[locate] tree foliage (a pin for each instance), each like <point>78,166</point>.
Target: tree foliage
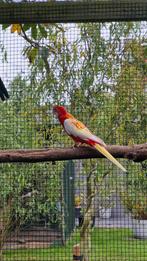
<point>99,75</point>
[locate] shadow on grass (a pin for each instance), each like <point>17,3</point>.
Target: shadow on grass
<point>107,244</point>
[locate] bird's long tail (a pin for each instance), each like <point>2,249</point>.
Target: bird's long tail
<point>102,150</point>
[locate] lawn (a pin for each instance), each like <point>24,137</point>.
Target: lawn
<point>107,244</point>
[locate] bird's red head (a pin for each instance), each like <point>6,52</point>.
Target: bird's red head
<point>59,110</point>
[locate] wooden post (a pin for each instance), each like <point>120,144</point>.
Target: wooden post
<point>76,11</point>
<point>77,253</point>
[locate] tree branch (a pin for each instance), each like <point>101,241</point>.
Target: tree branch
<point>136,153</point>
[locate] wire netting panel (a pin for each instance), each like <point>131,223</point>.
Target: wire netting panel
<point>85,209</point>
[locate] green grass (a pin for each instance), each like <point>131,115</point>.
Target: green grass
<point>107,244</point>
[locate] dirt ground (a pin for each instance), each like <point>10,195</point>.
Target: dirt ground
<point>34,237</point>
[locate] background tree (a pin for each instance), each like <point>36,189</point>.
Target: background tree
<point>99,75</point>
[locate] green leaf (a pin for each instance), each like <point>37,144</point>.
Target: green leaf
<point>26,27</point>
<point>42,31</point>
<point>44,52</point>
<point>5,26</point>
<point>31,54</point>
<point>34,31</point>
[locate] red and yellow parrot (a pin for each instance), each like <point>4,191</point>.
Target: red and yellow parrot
<point>81,134</point>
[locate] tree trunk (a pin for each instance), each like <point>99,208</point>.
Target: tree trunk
<point>85,233</point>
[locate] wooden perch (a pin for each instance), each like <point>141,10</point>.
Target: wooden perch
<point>136,153</point>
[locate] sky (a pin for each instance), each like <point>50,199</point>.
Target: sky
<point>16,63</point>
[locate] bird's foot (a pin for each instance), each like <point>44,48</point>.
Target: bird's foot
<point>77,144</point>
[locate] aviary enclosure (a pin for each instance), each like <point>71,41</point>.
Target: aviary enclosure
<point>59,202</point>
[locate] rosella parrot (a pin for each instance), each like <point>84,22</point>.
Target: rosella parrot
<point>81,134</point>
<point>3,91</point>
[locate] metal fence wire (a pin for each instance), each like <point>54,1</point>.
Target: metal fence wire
<point>91,57</point>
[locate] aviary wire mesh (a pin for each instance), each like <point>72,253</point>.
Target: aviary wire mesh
<point>80,209</point>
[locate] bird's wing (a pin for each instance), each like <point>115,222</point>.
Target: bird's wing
<point>78,129</point>
<point>3,91</point>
